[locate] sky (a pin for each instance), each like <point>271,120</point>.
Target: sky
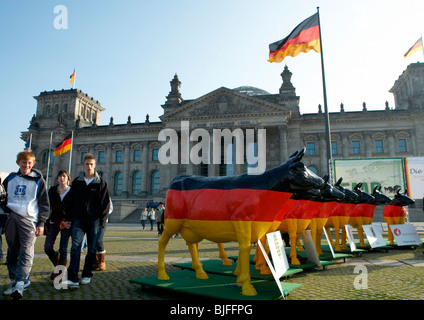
<point>126,53</point>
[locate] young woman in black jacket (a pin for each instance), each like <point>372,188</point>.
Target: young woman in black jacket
<point>59,221</point>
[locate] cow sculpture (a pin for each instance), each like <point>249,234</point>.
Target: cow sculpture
<point>395,213</point>
<point>238,208</point>
<point>299,217</point>
<point>364,212</point>
<point>321,217</point>
<point>342,214</point>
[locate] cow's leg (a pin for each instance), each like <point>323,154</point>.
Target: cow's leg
<point>337,234</point>
<point>260,262</point>
<point>195,261</point>
<point>361,235</point>
<point>171,227</point>
<point>294,236</point>
<point>243,231</point>
<point>390,237</point>
<point>223,255</point>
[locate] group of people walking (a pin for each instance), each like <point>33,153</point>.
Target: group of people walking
<point>158,216</point>
<point>77,211</point>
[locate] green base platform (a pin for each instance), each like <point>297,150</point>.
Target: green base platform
<point>339,254</point>
<point>304,266</point>
<point>216,287</point>
<point>216,267</point>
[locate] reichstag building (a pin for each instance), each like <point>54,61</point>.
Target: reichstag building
<point>128,153</point>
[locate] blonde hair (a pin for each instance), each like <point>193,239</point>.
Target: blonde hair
<point>25,155</point>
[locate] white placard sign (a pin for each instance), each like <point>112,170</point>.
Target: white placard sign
<point>405,234</point>
<point>373,235</point>
<point>310,249</point>
<point>328,241</point>
<point>350,237</point>
<point>278,253</point>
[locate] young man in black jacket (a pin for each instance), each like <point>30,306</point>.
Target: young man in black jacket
<point>89,211</point>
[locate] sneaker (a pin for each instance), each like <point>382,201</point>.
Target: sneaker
<point>68,284</point>
<point>11,288</point>
<point>18,291</point>
<point>85,280</point>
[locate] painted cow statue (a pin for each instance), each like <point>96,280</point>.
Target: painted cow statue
<point>395,213</point>
<point>364,212</point>
<point>299,217</point>
<point>299,212</point>
<point>321,217</point>
<point>238,208</point>
<point>339,217</point>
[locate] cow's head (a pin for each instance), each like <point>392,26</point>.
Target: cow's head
<point>401,200</point>
<point>380,198</point>
<point>363,197</point>
<point>298,177</point>
<point>349,195</point>
<point>312,194</point>
<point>330,193</point>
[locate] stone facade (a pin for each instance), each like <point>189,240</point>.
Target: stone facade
<point>127,154</point>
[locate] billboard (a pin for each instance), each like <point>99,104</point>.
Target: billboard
<point>415,176</point>
<point>389,173</point>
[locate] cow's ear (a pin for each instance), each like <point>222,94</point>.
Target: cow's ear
<point>297,166</point>
<point>375,189</point>
<point>326,178</point>
<point>300,155</point>
<point>339,181</point>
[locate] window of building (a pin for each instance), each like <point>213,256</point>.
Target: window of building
<point>378,146</point>
<point>356,147</point>
<point>334,148</point>
<point>82,156</point>
<point>101,157</point>
<point>155,154</point>
<point>118,156</point>
<point>155,182</point>
<point>402,145</point>
<point>45,157</point>
<point>136,183</point>
<point>117,183</point>
<point>136,155</point>
<point>310,148</point>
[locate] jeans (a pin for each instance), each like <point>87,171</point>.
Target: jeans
<point>54,230</point>
<point>90,227</point>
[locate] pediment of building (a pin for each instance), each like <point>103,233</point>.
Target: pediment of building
<point>225,103</point>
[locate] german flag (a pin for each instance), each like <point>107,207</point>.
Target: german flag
<point>72,77</point>
<point>418,46</point>
<point>302,39</point>
<point>64,146</point>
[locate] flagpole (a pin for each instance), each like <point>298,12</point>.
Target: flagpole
<point>327,118</point>
<point>70,155</point>
<point>48,161</point>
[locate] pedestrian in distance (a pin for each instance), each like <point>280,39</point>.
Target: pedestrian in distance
<point>28,207</point>
<point>152,217</point>
<point>59,221</point>
<point>143,217</point>
<point>90,202</point>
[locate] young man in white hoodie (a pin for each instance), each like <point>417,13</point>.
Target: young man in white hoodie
<point>28,208</point>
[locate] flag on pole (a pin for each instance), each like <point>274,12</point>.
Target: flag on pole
<point>28,143</point>
<point>302,39</point>
<point>64,146</point>
<point>72,77</point>
<point>418,46</point>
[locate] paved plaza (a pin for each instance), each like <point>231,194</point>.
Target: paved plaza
<point>132,253</point>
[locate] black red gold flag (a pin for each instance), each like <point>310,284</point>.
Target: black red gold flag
<point>418,46</point>
<point>64,146</point>
<point>302,39</point>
